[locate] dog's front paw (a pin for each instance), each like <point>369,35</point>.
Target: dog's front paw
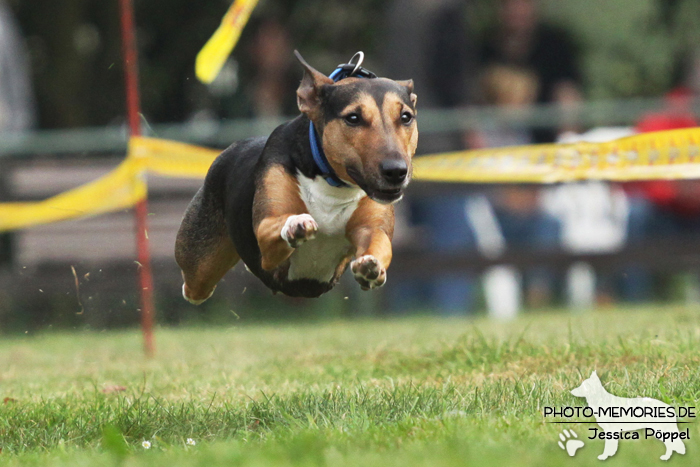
<point>368,272</point>
<point>299,229</point>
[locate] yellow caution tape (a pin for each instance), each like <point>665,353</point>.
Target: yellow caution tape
<point>664,155</point>
<point>120,189</point>
<point>171,158</point>
<point>218,48</point>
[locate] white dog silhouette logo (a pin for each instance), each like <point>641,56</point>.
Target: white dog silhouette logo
<point>618,415</point>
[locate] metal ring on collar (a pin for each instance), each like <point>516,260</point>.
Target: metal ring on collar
<point>360,58</point>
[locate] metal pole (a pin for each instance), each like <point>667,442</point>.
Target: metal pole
<point>133,105</point>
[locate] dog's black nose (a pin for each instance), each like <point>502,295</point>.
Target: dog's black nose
<point>394,171</point>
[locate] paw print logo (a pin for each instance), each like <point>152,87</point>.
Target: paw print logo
<point>569,443</point>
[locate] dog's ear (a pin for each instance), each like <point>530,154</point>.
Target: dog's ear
<point>408,84</point>
<point>594,375</point>
<point>308,94</point>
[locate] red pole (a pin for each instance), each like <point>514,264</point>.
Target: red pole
<point>133,106</point>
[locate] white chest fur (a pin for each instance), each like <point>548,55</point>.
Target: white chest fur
<point>331,208</point>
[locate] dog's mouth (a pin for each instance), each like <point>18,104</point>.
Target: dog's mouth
<point>380,195</point>
<point>386,196</point>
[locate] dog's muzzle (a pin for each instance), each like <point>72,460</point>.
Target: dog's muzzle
<point>381,192</point>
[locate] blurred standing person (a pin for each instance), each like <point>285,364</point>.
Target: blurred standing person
<point>520,39</point>
<point>666,207</point>
<point>524,62</point>
<point>517,210</point>
<point>662,209</point>
<point>451,55</point>
<point>275,74</point>
<point>16,98</point>
<point>509,88</point>
<point>406,44</point>
<point>265,79</point>
<point>429,41</point>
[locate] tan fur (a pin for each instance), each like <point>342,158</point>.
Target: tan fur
<point>276,198</point>
<point>201,282</point>
<point>203,249</point>
<point>370,230</point>
<point>362,146</point>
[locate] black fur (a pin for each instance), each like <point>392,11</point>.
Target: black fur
<point>229,190</point>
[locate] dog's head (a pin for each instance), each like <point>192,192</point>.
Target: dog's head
<point>592,387</point>
<point>368,129</point>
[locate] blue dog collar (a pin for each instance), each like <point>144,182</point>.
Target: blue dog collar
<point>322,163</point>
<point>344,70</point>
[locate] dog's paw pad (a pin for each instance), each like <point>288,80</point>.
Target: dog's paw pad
<point>299,229</point>
<point>569,443</point>
<point>368,272</point>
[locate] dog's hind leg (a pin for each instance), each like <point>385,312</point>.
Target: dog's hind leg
<point>676,445</point>
<point>609,450</point>
<point>203,249</point>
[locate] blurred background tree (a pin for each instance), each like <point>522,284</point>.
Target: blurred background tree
<point>630,48</point>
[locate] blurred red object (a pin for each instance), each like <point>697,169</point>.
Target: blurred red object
<point>679,197</point>
<point>678,113</point>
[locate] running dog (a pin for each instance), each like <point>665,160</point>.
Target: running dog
<point>316,196</point>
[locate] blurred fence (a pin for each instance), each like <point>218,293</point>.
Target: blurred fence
<point>219,134</point>
<point>38,286</point>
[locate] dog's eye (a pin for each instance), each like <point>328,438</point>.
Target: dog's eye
<point>406,118</point>
<point>353,119</point>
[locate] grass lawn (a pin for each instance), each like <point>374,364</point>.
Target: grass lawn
<point>415,391</point>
